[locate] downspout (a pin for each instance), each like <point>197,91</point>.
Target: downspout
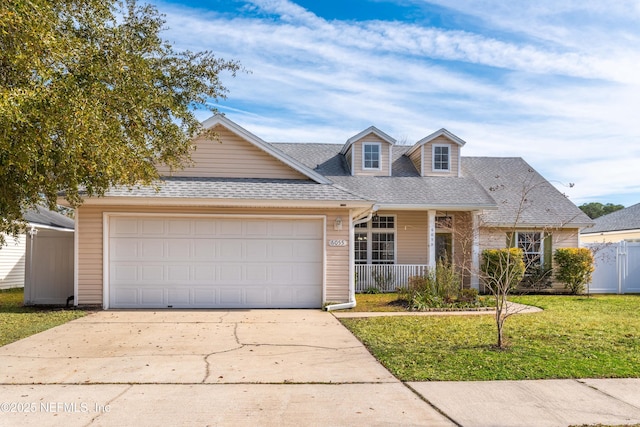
<point>352,283</point>
<point>32,232</point>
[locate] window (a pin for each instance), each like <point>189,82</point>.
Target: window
<point>375,241</point>
<point>441,157</point>
<point>531,244</point>
<point>371,155</point>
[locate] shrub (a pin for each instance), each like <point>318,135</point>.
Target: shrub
<point>503,268</point>
<point>439,288</point>
<point>573,268</point>
<point>537,278</point>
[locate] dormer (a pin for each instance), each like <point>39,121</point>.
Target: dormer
<point>369,153</point>
<point>437,154</point>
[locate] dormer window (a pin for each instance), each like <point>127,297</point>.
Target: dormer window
<point>441,158</point>
<point>371,155</point>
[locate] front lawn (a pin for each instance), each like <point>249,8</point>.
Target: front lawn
<point>574,337</point>
<point>17,322</point>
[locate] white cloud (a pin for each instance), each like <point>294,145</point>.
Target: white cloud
<point>561,94</point>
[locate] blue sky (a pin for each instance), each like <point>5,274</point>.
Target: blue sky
<point>556,82</point>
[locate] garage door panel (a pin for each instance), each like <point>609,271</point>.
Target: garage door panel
<point>205,297</point>
<point>152,297</point>
<point>229,250</point>
<point>204,249</point>
<point>179,227</point>
<point>151,249</point>
<point>179,297</point>
<point>152,227</point>
<point>228,227</point>
<point>215,262</point>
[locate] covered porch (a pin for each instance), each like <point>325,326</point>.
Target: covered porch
<point>393,245</point>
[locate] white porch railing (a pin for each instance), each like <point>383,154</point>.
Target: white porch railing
<point>386,277</point>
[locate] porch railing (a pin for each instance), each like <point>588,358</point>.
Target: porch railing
<point>386,277</point>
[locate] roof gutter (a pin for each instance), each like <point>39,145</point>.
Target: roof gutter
<point>403,207</point>
<point>352,284</point>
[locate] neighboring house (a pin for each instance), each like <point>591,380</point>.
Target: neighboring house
<point>615,227</point>
<point>41,259</point>
<point>253,224</point>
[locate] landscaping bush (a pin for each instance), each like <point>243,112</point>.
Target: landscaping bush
<point>573,268</point>
<point>440,288</point>
<point>537,279</point>
<point>503,268</point>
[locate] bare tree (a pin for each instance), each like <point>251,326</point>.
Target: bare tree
<point>503,268</point>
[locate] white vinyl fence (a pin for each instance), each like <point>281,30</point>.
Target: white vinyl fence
<point>617,268</point>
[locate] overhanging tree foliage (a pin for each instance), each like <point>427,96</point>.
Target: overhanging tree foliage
<point>91,96</point>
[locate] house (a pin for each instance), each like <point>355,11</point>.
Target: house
<point>251,224</point>
<point>615,227</point>
<point>41,259</point>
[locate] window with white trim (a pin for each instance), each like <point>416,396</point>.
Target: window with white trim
<point>371,152</point>
<point>375,241</point>
<point>441,158</point>
<point>531,244</point>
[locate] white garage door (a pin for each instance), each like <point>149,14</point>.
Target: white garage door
<point>161,262</point>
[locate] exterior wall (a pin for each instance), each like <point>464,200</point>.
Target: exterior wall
<point>90,238</point>
<point>495,238</point>
<point>610,236</point>
<point>348,157</point>
<point>232,157</point>
<point>416,159</point>
<point>356,152</point>
<point>12,261</point>
<point>49,268</point>
<point>454,151</point>
<point>411,236</point>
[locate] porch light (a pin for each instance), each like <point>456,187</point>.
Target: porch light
<point>337,225</point>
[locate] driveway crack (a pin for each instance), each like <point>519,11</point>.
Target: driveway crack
<point>106,405</point>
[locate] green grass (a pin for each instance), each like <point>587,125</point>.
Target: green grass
<point>17,321</point>
<point>377,302</point>
<point>575,337</point>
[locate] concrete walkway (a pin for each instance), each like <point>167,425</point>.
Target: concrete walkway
<point>256,367</point>
<point>262,367</point>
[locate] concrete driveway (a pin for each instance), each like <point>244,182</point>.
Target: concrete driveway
<point>255,367</point>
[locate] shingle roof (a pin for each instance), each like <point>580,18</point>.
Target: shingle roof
<point>624,219</point>
<point>522,194</point>
<point>43,216</point>
<point>237,189</point>
<point>485,181</point>
<point>405,187</point>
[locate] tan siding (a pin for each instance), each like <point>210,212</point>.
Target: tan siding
<point>12,261</point>
<point>90,257</point>
<point>411,237</point>
<point>610,237</point>
<point>496,238</point>
<point>337,265</point>
<point>416,159</point>
<point>428,157</point>
<point>348,158</point>
<point>356,149</point>
<point>233,157</point>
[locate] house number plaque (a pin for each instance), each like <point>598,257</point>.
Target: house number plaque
<point>337,243</point>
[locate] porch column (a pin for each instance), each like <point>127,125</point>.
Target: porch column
<point>475,250</point>
<point>431,238</point>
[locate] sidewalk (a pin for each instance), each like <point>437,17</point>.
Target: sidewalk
<point>513,307</point>
<point>532,403</point>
